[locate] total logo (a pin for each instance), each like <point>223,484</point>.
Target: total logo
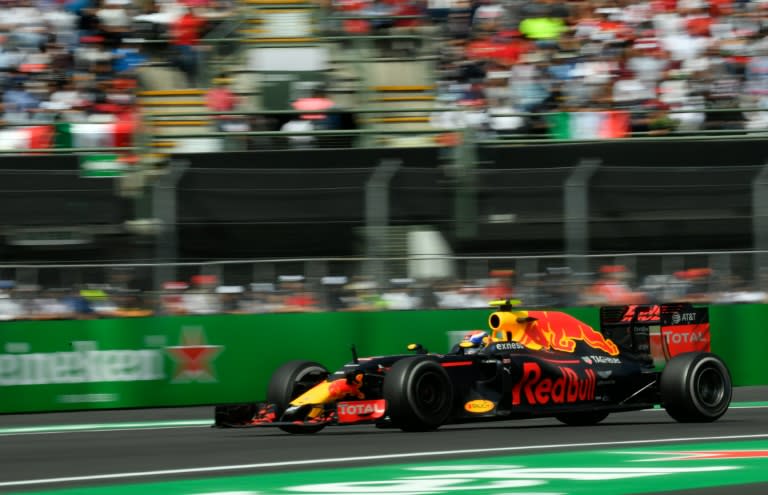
<point>686,337</point>
<point>364,410</point>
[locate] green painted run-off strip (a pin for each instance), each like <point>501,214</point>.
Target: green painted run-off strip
<point>614,471</point>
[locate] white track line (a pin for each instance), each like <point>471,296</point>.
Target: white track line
<point>409,455</point>
<point>169,425</point>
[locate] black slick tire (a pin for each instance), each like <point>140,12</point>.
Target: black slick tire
<point>233,415</point>
<point>290,381</point>
<point>419,394</point>
<point>696,387</point>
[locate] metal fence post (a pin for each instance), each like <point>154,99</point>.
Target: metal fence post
<point>760,223</point>
<point>465,174</point>
<point>164,210</point>
<point>377,216</point>
<point>576,213</point>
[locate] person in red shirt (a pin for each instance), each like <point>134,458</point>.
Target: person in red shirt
<point>185,36</point>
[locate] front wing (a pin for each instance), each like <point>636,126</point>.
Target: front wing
<point>337,413</point>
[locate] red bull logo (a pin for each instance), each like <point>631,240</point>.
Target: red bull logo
<point>567,389</point>
<point>343,388</point>
<point>550,330</point>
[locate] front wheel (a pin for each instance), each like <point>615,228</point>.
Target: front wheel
<point>290,381</point>
<point>696,387</point>
<point>588,418</point>
<point>419,394</point>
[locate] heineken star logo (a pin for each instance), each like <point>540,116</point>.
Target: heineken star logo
<point>194,356</point>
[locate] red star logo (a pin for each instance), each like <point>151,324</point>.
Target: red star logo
<point>193,356</point>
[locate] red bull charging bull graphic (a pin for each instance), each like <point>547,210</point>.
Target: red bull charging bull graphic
<point>548,330</point>
<point>343,388</point>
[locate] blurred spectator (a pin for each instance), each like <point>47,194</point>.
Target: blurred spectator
<point>201,298</point>
<point>185,33</point>
<point>315,109</point>
<point>500,285</point>
<point>296,296</point>
<point>230,297</point>
<point>172,298</point>
<point>612,287</point>
<point>698,284</point>
<point>362,294</point>
<point>454,294</point>
<point>79,305</point>
<point>316,113</point>
<point>220,98</point>
<point>401,295</point>
<point>10,309</point>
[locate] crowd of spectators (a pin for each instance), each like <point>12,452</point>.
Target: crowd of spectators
<point>585,68</point>
<point>69,68</point>
<point>65,64</point>
<point>206,294</point>
<point>594,68</point>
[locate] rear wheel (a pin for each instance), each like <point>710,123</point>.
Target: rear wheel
<point>582,418</point>
<point>696,387</point>
<point>419,394</point>
<point>290,381</point>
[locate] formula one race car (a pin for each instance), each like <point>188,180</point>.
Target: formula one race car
<point>530,364</point>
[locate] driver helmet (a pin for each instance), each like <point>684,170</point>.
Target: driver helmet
<point>474,341</point>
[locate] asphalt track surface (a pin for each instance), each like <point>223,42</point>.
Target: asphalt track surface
<point>89,453</point>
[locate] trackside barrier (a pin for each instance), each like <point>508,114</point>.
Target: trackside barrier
<point>199,360</point>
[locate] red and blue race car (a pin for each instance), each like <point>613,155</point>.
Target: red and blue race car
<point>529,363</point>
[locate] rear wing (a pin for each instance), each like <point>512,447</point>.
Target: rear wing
<point>658,331</point>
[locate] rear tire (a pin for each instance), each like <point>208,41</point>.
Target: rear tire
<point>696,387</point>
<point>290,381</point>
<point>419,394</point>
<point>588,418</point>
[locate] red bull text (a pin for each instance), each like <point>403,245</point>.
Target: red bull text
<point>532,389</point>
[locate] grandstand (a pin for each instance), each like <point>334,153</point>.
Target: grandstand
<point>599,138</point>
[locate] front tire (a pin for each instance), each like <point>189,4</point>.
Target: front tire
<point>290,381</point>
<point>233,415</point>
<point>419,394</point>
<point>588,418</point>
<point>696,387</point>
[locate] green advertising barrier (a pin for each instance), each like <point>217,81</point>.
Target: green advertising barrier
<point>193,360</point>
<point>197,360</point>
<point>740,337</point>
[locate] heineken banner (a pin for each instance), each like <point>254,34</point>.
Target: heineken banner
<point>198,360</point>
<point>191,360</point>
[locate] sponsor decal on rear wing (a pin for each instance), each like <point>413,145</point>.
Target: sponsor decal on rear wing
<point>660,331</point>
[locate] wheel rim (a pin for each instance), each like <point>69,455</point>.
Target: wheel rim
<point>305,380</point>
<point>428,392</point>
<point>710,387</point>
